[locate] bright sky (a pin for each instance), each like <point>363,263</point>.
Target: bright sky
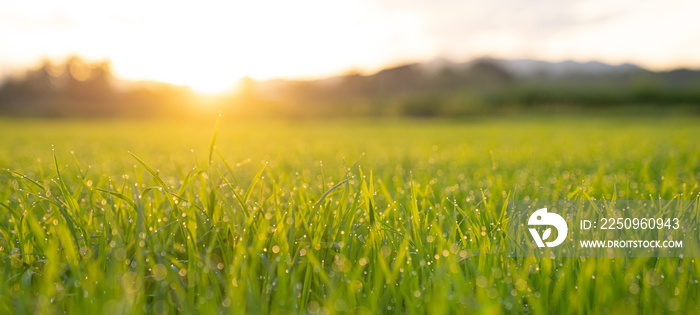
<point>209,45</point>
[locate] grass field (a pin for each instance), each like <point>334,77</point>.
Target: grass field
<point>328,217</point>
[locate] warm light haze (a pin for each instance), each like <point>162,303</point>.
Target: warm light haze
<point>213,44</point>
<point>350,157</point>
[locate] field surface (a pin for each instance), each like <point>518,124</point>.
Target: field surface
<point>328,217</point>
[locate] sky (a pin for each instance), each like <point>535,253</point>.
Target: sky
<point>210,45</point>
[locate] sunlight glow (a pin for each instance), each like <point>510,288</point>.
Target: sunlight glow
<point>212,52</point>
<point>212,45</point>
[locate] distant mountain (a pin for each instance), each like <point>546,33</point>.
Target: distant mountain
<point>529,68</point>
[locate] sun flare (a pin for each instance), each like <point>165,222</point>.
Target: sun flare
<point>212,51</point>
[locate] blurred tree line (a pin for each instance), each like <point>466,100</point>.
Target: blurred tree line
<point>77,88</point>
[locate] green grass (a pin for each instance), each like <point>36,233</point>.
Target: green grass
<point>327,217</point>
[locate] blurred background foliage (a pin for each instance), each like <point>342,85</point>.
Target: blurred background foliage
<point>485,86</point>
